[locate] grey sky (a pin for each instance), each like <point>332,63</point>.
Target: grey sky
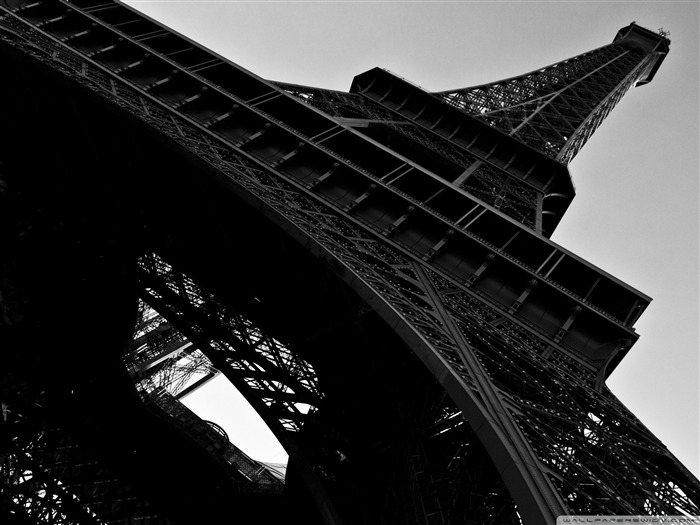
<point>636,210</point>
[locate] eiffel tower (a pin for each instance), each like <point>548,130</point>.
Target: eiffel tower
<point>371,269</point>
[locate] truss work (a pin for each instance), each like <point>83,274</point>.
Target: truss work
<point>556,109</point>
<point>372,271</point>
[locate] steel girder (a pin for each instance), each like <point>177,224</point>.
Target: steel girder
<point>529,394</point>
<point>50,475</point>
<point>556,109</point>
<point>511,196</point>
<point>165,366</point>
<point>445,474</point>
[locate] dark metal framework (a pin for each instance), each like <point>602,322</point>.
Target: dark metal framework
<point>556,109</point>
<point>259,365</point>
<point>465,169</point>
<point>165,367</point>
<point>50,476</point>
<point>483,345</point>
<point>51,479</point>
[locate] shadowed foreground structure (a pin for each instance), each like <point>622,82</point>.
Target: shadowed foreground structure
<point>371,269</point>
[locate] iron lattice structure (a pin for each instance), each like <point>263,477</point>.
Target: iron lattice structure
<point>556,109</point>
<point>371,269</point>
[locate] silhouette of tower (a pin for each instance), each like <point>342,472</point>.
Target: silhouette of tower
<point>371,269</point>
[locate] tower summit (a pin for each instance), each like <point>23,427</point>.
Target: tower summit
<point>371,269</point>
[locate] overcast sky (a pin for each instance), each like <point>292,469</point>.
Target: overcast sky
<point>636,211</point>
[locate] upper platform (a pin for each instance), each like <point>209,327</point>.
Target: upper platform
<point>523,183</point>
<point>648,42</point>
